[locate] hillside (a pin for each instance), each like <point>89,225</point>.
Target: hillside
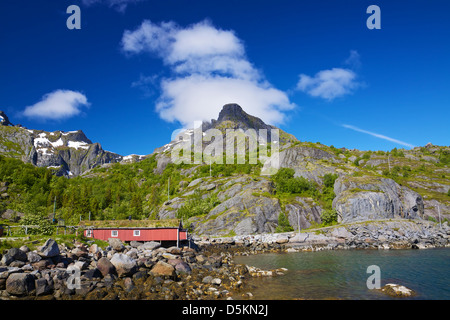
<point>316,184</point>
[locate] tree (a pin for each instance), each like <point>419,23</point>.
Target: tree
<point>329,179</point>
<point>329,217</point>
<point>283,223</point>
<point>136,206</point>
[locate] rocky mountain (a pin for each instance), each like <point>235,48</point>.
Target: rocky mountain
<point>369,185</point>
<point>65,153</point>
<point>223,199</point>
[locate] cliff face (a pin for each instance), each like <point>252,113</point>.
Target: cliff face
<point>373,198</point>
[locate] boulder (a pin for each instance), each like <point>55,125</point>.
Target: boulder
<point>397,291</point>
<point>6,259</point>
<point>43,287</point>
<point>162,268</point>
<point>94,249</point>
<point>105,266</point>
<point>17,254</point>
<point>116,244</point>
<point>92,273</point>
<point>20,284</point>
<point>341,232</point>
<point>135,244</point>
<point>49,249</point>
<point>151,245</point>
<point>25,249</point>
<point>124,264</point>
<point>183,267</point>
<point>33,257</point>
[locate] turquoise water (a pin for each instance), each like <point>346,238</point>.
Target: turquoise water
<point>342,274</point>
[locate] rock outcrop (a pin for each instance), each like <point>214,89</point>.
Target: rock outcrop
<point>372,198</point>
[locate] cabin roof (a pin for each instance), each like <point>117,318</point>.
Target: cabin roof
<point>165,223</point>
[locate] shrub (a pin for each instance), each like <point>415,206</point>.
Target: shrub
<point>45,226</point>
<point>283,223</point>
<point>329,217</point>
<point>329,179</point>
<point>197,206</point>
<point>286,182</point>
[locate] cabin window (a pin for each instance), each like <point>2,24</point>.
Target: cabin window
<point>89,233</point>
<point>114,233</point>
<point>136,233</point>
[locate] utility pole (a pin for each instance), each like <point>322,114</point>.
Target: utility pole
<point>54,210</point>
<point>389,162</point>
<point>439,211</point>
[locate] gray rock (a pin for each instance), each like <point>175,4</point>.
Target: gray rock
<point>49,249</point>
<point>124,264</point>
<point>43,287</point>
<point>341,233</point>
<point>6,259</point>
<point>20,284</point>
<point>372,198</point>
<point>150,245</point>
<point>135,244</point>
<point>116,244</point>
<point>33,257</point>
<point>17,254</point>
<point>183,267</point>
<point>207,279</point>
<point>195,182</point>
<point>25,249</point>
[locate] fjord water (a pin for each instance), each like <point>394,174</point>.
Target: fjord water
<point>342,274</point>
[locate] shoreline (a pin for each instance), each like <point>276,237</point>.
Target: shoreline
<point>147,271</point>
<point>378,234</point>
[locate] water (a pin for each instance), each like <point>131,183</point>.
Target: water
<point>342,274</point>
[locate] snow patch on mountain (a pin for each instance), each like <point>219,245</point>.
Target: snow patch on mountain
<point>78,145</point>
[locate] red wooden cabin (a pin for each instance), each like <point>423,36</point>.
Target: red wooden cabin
<point>135,230</point>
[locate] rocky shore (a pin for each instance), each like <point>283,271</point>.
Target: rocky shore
<point>119,272</point>
<point>138,271</point>
<point>380,234</point>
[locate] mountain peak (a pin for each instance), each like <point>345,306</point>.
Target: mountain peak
<point>235,117</point>
<point>231,112</point>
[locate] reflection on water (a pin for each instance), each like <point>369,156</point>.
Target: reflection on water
<point>342,274</point>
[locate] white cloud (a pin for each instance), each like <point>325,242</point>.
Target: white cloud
<point>328,84</point>
<point>210,69</point>
<point>333,83</point>
<point>377,135</point>
<point>354,60</point>
<point>57,105</point>
<point>119,5</point>
<point>200,97</point>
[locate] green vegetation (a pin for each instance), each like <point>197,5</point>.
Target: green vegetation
<point>329,217</point>
<point>283,223</point>
<point>286,182</point>
<point>197,206</point>
<point>117,192</point>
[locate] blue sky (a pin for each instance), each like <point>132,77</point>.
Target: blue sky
<point>139,69</point>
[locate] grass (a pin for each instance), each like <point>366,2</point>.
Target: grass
<point>35,241</point>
